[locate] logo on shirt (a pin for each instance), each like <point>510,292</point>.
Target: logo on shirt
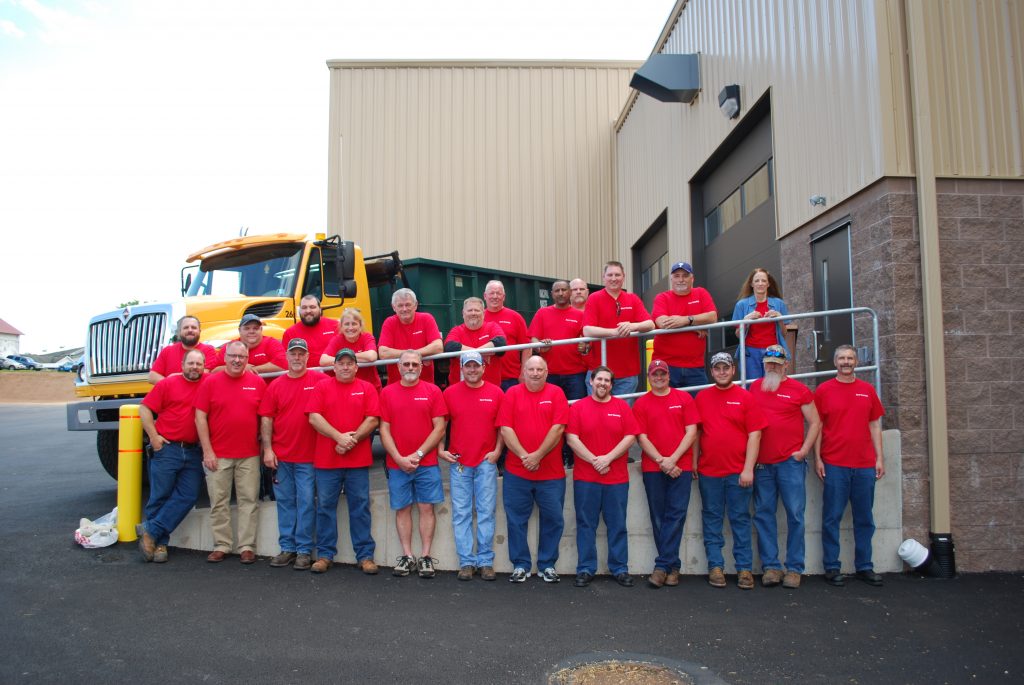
<point>248,387</point>
<point>419,332</point>
<point>786,396</point>
<point>544,402</point>
<point>675,406</point>
<point>860,394</point>
<point>693,302</point>
<point>359,394</point>
<point>615,416</point>
<point>568,320</point>
<point>486,399</point>
<point>737,404</point>
<point>504,322</point>
<point>421,399</point>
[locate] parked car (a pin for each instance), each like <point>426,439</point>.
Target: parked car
<point>26,362</point>
<point>11,365</point>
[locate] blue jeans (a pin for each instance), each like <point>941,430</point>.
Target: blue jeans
<point>856,486</point>
<point>786,481</point>
<point>718,496</point>
<point>175,477</point>
<point>594,500</point>
<point>620,386</point>
<point>667,500</point>
<point>754,362</point>
<point>479,483</point>
<point>357,492</point>
<point>685,376</point>
<point>296,509</point>
<point>507,383</point>
<point>518,496</point>
<point>574,385</point>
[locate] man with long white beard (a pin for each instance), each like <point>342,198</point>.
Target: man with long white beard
<point>781,470</point>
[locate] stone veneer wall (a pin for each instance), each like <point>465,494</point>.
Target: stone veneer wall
<point>981,225</point>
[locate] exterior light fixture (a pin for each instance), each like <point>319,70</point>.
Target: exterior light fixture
<point>818,200</point>
<point>729,101</point>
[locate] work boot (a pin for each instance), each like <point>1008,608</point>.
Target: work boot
<point>466,572</point>
<point>321,565</point>
<point>716,577</point>
<point>303,562</point>
<point>771,577</point>
<point>672,579</point>
<point>657,578</point>
<point>283,559</point>
<point>745,580</point>
<point>160,555</point>
<point>147,545</point>
<point>791,580</point>
<point>369,567</point>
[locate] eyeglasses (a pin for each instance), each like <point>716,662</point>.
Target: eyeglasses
<point>777,354</point>
<point>411,365</point>
<point>236,356</point>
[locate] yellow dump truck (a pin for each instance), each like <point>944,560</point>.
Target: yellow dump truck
<point>266,275</point>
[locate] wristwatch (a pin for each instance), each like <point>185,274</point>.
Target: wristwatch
<point>419,453</point>
<point>691,322</point>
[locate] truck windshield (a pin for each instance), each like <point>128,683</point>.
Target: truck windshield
<point>260,271</point>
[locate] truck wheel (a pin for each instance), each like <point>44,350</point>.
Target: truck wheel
<point>106,447</point>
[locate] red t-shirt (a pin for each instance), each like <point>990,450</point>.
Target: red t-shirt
<point>605,311</point>
<point>727,418</point>
<point>411,411</point>
<point>664,420</point>
<point>345,406</point>
<point>681,349</point>
<point>269,351</point>
<point>514,326</point>
<point>172,401</point>
<point>552,323</point>
<point>294,439</point>
<point>846,409</point>
<point>473,412</point>
<point>366,342</point>
<point>481,336</point>
<point>231,405</point>
<point>399,336</point>
<point>601,426</point>
<point>531,415</point>
<point>316,337</point>
<point>170,358</point>
<point>763,332</point>
<point>783,409</point>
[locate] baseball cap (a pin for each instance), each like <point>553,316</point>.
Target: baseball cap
<point>685,266</point>
<point>297,344</point>
<point>657,365</point>
<point>722,358</point>
<point>344,352</point>
<point>250,318</point>
<point>774,354</point>
<point>471,356</point>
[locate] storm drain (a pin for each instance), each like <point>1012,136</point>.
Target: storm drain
<point>630,669</point>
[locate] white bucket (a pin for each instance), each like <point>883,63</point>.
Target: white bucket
<point>913,552</point>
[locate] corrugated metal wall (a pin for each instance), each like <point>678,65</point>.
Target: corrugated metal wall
<point>504,165</point>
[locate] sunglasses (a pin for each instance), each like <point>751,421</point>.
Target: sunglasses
<point>775,354</point>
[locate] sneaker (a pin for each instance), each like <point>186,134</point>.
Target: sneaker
<point>657,578</point>
<point>716,577</point>
<point>303,562</point>
<point>321,565</point>
<point>519,575</point>
<point>283,559</point>
<point>425,567</point>
<point>870,577</point>
<point>771,577</point>
<point>672,579</point>
<point>160,555</point>
<point>745,580</point>
<point>791,580</point>
<point>147,545</point>
<point>487,573</point>
<point>624,579</point>
<point>549,575</point>
<point>403,566</point>
<point>834,577</point>
<point>466,572</point>
<point>369,567</point>
<point>583,579</point>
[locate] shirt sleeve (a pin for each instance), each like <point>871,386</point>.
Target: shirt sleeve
<point>154,399</point>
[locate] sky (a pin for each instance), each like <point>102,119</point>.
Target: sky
<point>135,133</point>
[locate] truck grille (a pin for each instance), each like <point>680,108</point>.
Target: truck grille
<point>116,348</point>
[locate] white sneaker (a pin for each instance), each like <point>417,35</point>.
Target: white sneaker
<point>519,575</point>
<point>549,575</point>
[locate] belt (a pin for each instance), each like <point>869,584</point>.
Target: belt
<point>184,445</point>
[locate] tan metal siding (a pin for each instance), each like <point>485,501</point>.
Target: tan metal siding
<point>504,165</point>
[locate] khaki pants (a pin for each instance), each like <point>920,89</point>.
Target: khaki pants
<point>245,474</point>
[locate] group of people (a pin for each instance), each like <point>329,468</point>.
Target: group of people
<point>543,409</point>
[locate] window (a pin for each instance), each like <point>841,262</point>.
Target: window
<point>751,194</point>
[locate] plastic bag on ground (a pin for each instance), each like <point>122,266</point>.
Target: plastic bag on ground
<point>99,533</point>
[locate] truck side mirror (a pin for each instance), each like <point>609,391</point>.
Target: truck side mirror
<point>346,265</point>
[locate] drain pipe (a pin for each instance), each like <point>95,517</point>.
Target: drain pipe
<point>942,552</point>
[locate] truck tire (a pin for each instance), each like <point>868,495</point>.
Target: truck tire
<point>107,447</point>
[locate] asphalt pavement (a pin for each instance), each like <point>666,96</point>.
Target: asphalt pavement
<point>73,615</point>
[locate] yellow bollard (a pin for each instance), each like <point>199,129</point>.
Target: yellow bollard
<point>129,472</point>
<point>648,354</point>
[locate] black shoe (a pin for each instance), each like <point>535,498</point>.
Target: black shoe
<point>624,579</point>
<point>834,577</point>
<point>583,579</point>
<point>870,577</point>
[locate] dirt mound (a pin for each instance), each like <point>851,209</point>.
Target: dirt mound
<point>36,387</point>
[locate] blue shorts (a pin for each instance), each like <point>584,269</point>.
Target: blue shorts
<point>422,485</point>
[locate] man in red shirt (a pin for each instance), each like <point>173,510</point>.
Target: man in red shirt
<point>475,334</point>
<point>614,313</point>
<point>413,419</point>
<point>176,462</point>
<point>288,444</point>
<point>532,419</point>
<point>265,353</point>
<point>170,358</point>
<point>409,330</point>
<point>560,321</point>
<point>228,426</point>
<point>850,460</point>
<point>781,470</point>
<point>513,325</point>
<point>313,327</point>
<point>344,411</point>
<point>680,307</point>
<point>601,431</point>
<point>668,421</point>
<point>473,450</point>
<point>730,434</point>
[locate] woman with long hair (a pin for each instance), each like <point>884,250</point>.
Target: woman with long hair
<point>760,298</point>
<point>351,334</point>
